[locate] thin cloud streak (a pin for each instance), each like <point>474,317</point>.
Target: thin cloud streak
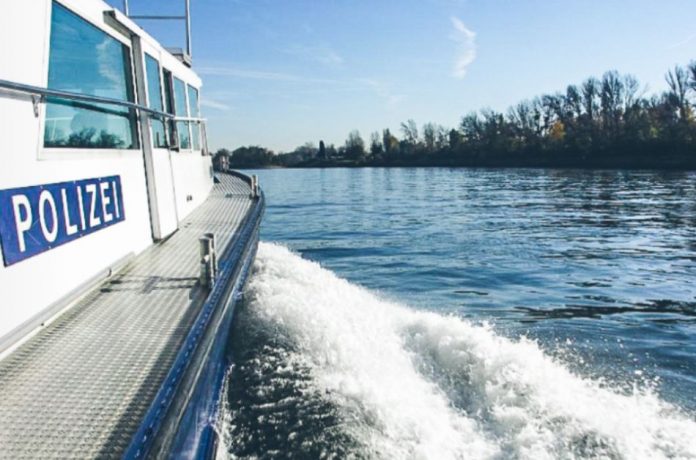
<point>466,47</point>
<point>321,54</point>
<point>260,75</point>
<point>212,104</point>
<point>682,42</point>
<point>379,88</point>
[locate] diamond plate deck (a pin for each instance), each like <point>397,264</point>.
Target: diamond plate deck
<point>81,386</point>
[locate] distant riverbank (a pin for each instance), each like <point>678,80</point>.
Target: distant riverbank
<point>605,122</point>
<point>684,162</point>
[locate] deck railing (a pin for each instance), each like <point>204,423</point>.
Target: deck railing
<point>39,95</point>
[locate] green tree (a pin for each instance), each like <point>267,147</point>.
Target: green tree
<point>390,143</point>
<point>454,139</point>
<point>430,137</point>
<point>251,156</point>
<point>677,96</point>
<point>376,149</point>
<point>355,146</point>
<point>410,132</point>
<point>611,97</point>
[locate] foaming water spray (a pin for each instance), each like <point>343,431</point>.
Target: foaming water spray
<point>326,368</point>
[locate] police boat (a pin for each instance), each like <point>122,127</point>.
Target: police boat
<point>123,252</point>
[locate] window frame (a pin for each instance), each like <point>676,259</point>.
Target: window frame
<point>187,114</point>
<point>160,75</point>
<point>168,90</point>
<point>73,153</point>
<point>195,125</point>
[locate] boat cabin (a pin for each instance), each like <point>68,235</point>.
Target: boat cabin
<point>103,154</point>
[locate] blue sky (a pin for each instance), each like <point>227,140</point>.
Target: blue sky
<point>280,73</point>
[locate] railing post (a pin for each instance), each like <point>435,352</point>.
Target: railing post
<point>254,186</point>
<point>208,260</point>
<point>213,254</point>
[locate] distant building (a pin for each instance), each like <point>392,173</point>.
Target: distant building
<point>221,162</point>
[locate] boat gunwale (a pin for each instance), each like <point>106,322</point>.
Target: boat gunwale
<point>222,292</point>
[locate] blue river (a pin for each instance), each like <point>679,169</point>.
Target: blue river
<point>469,313</point>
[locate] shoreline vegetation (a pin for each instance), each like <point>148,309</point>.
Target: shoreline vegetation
<point>606,122</point>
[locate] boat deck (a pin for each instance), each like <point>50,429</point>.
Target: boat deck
<point>82,385</point>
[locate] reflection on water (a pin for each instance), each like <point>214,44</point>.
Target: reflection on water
<point>598,263</point>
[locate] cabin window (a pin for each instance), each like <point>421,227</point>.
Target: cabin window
<point>195,111</point>
<point>181,108</point>
<point>169,105</point>
<point>84,59</point>
<point>154,100</point>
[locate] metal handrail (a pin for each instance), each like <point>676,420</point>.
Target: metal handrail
<point>44,92</point>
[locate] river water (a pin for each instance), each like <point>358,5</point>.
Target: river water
<point>468,313</point>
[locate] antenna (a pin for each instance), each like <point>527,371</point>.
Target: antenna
<point>186,18</point>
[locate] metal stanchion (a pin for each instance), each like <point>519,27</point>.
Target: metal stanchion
<point>208,260</point>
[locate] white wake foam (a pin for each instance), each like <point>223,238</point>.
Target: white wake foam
<point>413,384</point>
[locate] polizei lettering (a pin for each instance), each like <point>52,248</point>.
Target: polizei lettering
<point>38,218</point>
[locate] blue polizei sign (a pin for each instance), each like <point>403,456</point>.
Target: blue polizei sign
<point>38,218</point>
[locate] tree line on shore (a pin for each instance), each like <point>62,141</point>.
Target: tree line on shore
<point>602,122</point>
